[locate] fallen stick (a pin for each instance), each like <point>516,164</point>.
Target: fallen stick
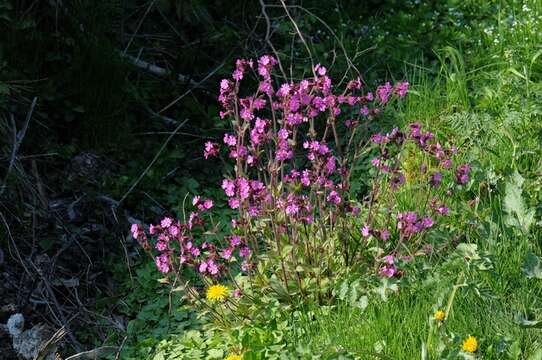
<point>157,70</point>
<point>97,353</point>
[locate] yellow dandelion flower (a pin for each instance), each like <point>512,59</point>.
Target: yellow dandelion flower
<point>439,315</point>
<point>217,292</point>
<point>470,344</point>
<point>233,357</point>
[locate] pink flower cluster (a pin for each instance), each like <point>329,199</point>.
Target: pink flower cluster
<point>211,149</point>
<point>383,234</point>
<point>410,224</point>
<point>424,140</point>
<point>388,269</point>
<point>297,207</point>
<point>251,195</point>
<point>384,92</point>
<point>436,157</point>
<point>299,102</point>
<point>292,144</point>
<point>176,245</point>
<point>439,207</point>
<point>261,141</point>
<point>462,174</point>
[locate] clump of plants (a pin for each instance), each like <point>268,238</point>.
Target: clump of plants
<point>297,227</point>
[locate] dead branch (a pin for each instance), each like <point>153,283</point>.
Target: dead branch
<point>139,26</point>
<point>268,36</point>
<point>152,162</point>
<point>52,296</point>
<point>17,140</point>
<point>50,344</point>
<point>97,353</point>
<point>195,86</point>
<point>300,36</point>
<point>157,70</point>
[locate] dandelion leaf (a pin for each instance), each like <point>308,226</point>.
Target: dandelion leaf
<point>532,267</point>
<point>519,215</point>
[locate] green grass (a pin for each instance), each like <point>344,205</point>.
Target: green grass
<point>402,322</point>
<point>486,99</point>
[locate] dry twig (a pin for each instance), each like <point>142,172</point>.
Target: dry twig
<point>17,140</point>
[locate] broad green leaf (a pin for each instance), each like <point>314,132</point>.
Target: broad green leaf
<point>386,285</point>
<point>159,356</point>
<point>215,354</point>
<point>526,323</point>
<point>531,266</point>
<point>343,290</point>
<point>468,251</point>
<point>518,214</point>
<point>379,346</point>
<point>362,303</point>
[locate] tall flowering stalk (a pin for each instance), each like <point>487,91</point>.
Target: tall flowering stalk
<point>294,147</point>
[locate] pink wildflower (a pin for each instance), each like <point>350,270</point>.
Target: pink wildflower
<point>211,149</point>
<point>401,88</point>
<point>384,234</point>
<point>227,253</point>
<point>233,203</point>
<point>320,70</point>
<point>230,140</point>
<point>244,252</point>
<point>365,231</point>
<point>166,222</point>
<point>229,187</point>
<point>207,204</point>
<point>388,271</point>
<point>383,93</point>
<point>162,263</point>
<point>334,197</point>
<point>235,240</point>
<point>462,174</point>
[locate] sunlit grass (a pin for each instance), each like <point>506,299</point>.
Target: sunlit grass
<point>488,100</point>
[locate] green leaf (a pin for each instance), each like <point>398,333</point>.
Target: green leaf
<point>526,323</point>
<point>531,266</point>
<point>159,356</point>
<point>362,303</point>
<point>343,290</point>
<point>215,354</point>
<point>519,215</point>
<point>468,251</point>
<point>379,346</point>
<point>386,285</point>
<point>46,244</point>
<point>286,250</point>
